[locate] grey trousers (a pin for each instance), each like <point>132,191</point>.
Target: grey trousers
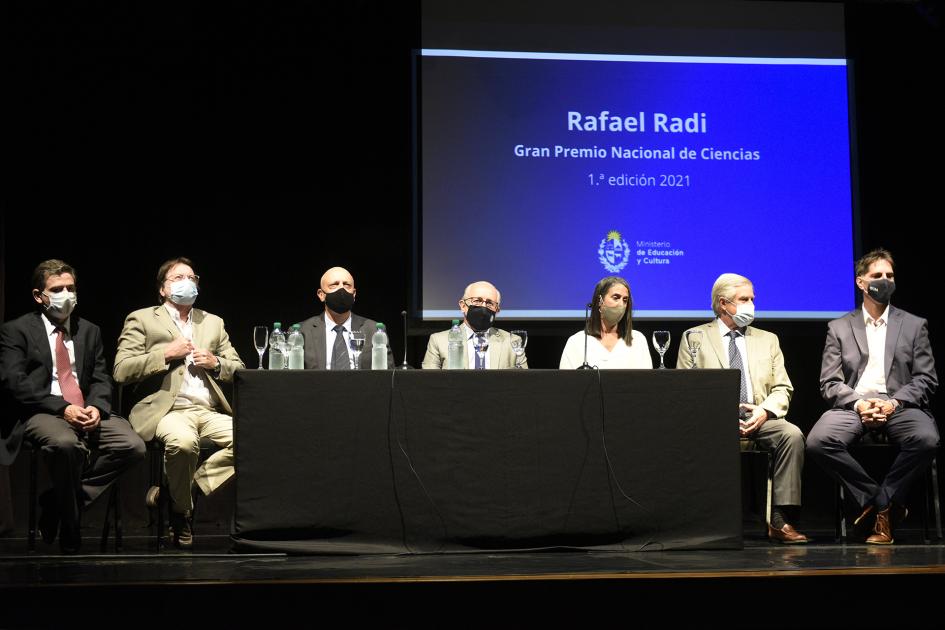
<point>82,465</point>
<point>787,442</point>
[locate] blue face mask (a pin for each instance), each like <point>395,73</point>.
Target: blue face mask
<point>183,292</point>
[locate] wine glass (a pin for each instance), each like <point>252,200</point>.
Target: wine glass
<point>519,341</point>
<point>356,344</point>
<point>661,343</point>
<point>261,341</point>
<point>694,341</point>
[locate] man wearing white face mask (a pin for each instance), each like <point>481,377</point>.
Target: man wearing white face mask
<point>57,394</point>
<point>178,353</point>
<point>729,342</point>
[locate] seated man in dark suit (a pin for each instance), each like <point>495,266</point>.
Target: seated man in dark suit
<point>878,374</point>
<point>58,394</point>
<point>327,335</point>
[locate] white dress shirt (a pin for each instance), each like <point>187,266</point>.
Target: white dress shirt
<point>194,389</point>
<point>52,331</point>
<point>471,346</point>
<point>873,380</point>
<point>636,356</point>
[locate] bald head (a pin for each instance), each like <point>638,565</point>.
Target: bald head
<point>483,289</point>
<point>335,278</point>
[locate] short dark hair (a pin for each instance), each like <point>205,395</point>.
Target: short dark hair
<point>625,325</point>
<point>863,264</point>
<point>167,266</point>
<point>51,267</point>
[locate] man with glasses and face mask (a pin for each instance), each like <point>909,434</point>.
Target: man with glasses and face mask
<point>878,374</point>
<point>328,335</point>
<point>486,347</point>
<point>58,395</point>
<point>178,353</point>
<point>729,342</point>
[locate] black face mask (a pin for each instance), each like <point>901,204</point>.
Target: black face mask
<point>479,318</point>
<point>881,290</point>
<point>339,301</point>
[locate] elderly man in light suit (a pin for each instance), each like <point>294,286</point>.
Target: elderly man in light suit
<point>878,374</point>
<point>765,392</point>
<point>177,354</point>
<point>480,305</point>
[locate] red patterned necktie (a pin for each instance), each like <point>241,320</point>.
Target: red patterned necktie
<point>70,389</point>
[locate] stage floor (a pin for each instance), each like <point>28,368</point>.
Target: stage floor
<point>763,585</point>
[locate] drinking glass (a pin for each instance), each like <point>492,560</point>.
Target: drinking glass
<point>356,344</point>
<point>519,341</point>
<point>694,341</point>
<point>661,343</point>
<point>261,341</point>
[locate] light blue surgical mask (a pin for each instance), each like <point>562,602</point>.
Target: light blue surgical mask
<point>183,292</point>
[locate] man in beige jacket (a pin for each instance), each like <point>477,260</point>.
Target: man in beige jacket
<point>176,354</point>
<point>728,342</point>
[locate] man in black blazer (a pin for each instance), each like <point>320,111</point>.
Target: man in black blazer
<point>57,394</point>
<point>327,335</point>
<point>878,374</point>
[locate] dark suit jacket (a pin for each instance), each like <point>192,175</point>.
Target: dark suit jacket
<point>909,366</point>
<point>313,329</point>
<point>26,370</point>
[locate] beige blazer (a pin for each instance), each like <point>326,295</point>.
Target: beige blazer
<point>140,358</point>
<point>771,386</point>
<point>500,351</point>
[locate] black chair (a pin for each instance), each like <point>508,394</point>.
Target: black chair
<point>156,478</point>
<point>750,448</point>
<point>113,509</point>
<point>874,441</point>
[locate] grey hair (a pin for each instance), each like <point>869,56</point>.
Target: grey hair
<point>724,288</point>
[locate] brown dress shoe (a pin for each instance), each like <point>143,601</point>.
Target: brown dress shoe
<point>882,529</point>
<point>787,535</point>
<point>181,530</point>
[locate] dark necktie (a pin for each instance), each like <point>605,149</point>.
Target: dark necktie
<point>339,351</point>
<point>481,346</point>
<point>70,389</point>
<point>735,362</point>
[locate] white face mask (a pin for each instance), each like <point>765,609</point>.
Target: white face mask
<point>744,314</point>
<point>183,292</point>
<point>61,304</point>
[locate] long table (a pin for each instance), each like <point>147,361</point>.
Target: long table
<point>447,461</point>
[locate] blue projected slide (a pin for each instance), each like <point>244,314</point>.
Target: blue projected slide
<point>545,172</point>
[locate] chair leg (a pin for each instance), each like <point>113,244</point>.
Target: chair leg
<point>31,536</point>
<point>770,490</point>
<point>119,530</point>
<point>936,508</point>
<point>841,520</point>
<point>112,511</point>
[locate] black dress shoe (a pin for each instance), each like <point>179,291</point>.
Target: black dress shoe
<point>181,530</point>
<point>49,516</point>
<point>70,539</point>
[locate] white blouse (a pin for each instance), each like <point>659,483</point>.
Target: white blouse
<point>622,357</point>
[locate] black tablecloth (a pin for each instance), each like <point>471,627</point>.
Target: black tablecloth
<point>437,461</point>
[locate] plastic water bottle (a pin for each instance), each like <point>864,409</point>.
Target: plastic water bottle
<point>455,352</point>
<point>277,347</point>
<point>296,346</point>
<point>379,348</point>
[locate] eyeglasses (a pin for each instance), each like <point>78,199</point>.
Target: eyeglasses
<point>180,276</point>
<point>477,301</point>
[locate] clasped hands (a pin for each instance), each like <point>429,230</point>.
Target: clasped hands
<point>874,412</point>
